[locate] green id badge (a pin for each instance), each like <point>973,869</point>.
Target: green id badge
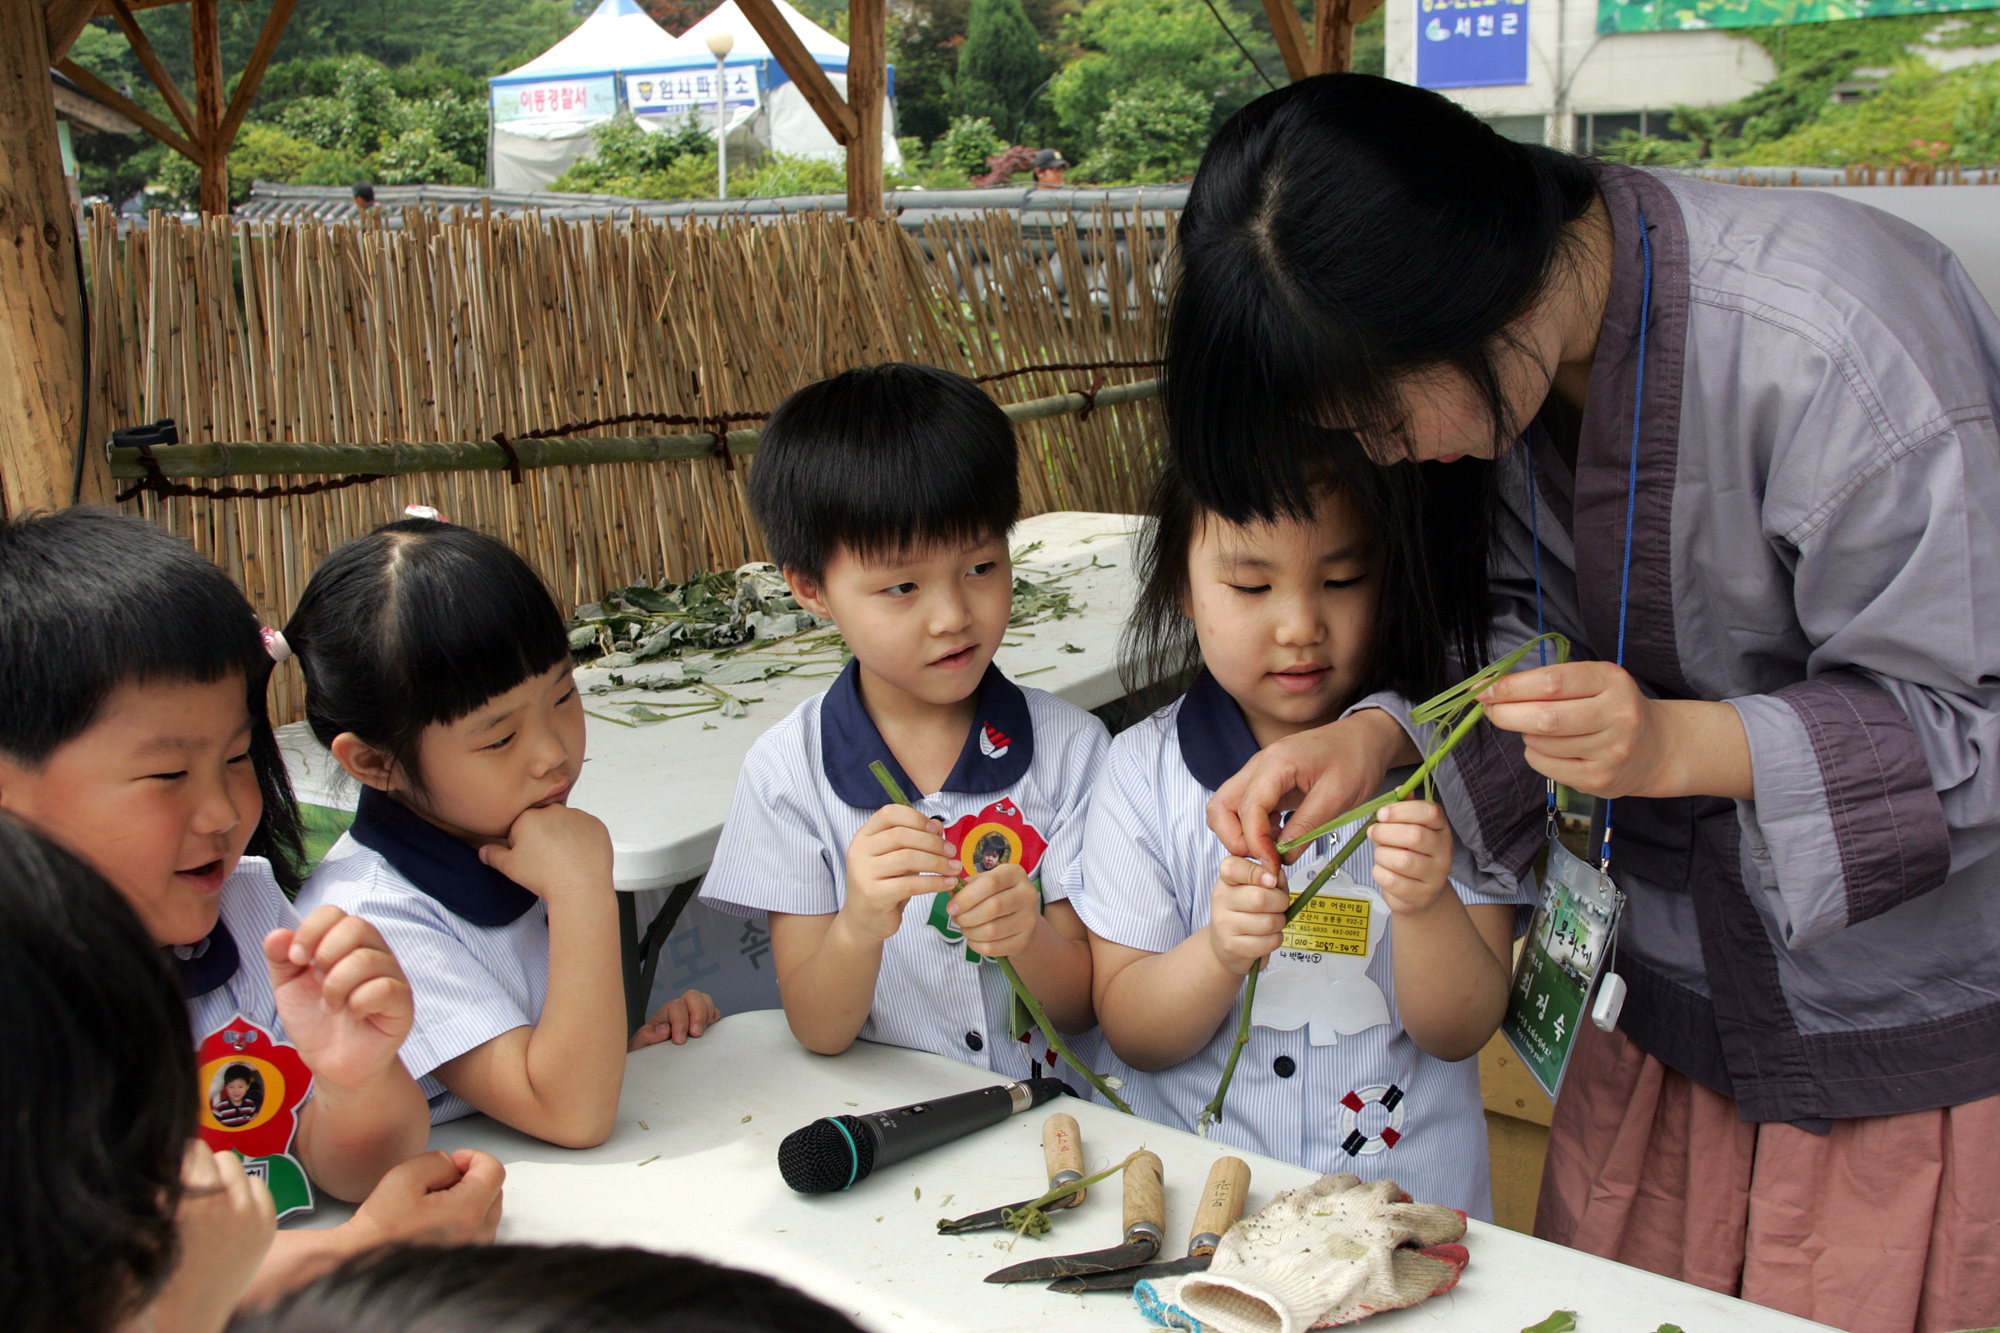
<point>1568,942</point>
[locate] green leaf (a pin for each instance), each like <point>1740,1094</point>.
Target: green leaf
<point>1562,1321</point>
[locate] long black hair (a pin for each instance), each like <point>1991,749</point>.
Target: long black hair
<point>99,1100</point>
<point>419,622</point>
<point>541,1289</point>
<point>1342,234</point>
<point>90,599</point>
<point>1412,650</point>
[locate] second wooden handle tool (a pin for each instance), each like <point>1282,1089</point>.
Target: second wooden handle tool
<point>1145,1224</point>
<point>1222,1202</point>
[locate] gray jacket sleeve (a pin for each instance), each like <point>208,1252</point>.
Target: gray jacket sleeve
<point>1870,786</point>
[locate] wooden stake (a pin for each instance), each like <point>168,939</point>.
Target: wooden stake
<point>867,87</point>
<point>42,393</point>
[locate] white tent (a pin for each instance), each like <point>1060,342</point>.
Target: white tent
<point>765,108</point>
<point>543,111</point>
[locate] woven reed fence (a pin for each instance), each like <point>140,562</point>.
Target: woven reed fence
<point>460,328</point>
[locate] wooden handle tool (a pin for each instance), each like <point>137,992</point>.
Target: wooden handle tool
<point>1062,1151</point>
<point>1145,1196</point>
<point>1222,1200</point>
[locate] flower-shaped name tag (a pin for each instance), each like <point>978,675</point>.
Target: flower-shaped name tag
<point>251,1087</point>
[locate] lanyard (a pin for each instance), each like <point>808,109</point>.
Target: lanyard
<point>1631,510</point>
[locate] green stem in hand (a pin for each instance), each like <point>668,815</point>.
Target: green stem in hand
<point>1021,991</point>
<point>1456,709</point>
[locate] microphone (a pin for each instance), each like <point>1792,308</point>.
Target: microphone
<point>834,1152</point>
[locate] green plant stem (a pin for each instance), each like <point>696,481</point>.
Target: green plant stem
<point>1033,1215</point>
<point>1442,708</point>
<point>1020,988</point>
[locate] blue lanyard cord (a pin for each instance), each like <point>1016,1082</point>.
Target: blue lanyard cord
<point>1631,484</point>
<point>1550,822</point>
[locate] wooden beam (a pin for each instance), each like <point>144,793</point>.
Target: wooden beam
<point>1291,36</point>
<point>1333,37</point>
<point>126,107</point>
<point>1360,11</point>
<point>149,59</point>
<point>253,72</point>
<point>65,21</point>
<point>867,85</point>
<point>206,47</point>
<point>105,10</point>
<point>796,61</point>
<point>43,397</point>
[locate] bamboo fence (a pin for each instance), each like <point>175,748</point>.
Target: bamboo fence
<point>463,327</point>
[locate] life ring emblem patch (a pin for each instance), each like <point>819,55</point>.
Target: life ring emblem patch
<point>1371,1119</point>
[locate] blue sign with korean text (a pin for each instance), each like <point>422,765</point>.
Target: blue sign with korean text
<point>1471,43</point>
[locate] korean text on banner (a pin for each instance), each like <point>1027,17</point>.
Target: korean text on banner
<point>677,92</point>
<point>588,99</point>
<point>1471,43</point>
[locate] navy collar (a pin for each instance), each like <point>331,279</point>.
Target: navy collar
<point>1215,740</point>
<point>437,863</point>
<point>206,966</point>
<point>997,750</point>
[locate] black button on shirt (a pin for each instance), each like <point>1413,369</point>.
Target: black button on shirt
<point>1284,1066</point>
<point>973,1040</point>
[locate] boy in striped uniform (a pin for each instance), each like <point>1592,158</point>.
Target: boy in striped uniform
<point>886,495</point>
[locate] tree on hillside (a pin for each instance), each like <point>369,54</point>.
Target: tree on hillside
<point>1127,43</point>
<point>1000,66</point>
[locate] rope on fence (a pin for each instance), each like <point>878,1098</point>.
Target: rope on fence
<point>552,446</point>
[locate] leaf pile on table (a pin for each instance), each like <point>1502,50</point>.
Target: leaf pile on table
<point>712,634</point>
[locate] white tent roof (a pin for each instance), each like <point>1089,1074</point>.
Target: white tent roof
<point>618,34</point>
<point>728,16</point>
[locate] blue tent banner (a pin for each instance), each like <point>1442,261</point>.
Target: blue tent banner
<point>1472,43</point>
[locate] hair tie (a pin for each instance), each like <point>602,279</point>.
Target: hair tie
<point>424,511</point>
<point>275,645</point>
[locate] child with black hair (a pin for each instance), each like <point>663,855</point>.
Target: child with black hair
<point>113,1214</point>
<point>1370,1005</point>
<point>133,732</point>
<point>438,673</point>
<point>886,495</point>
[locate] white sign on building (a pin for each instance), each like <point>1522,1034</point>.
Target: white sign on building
<point>675,92</point>
<point>555,100</point>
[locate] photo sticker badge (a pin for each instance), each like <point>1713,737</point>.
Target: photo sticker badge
<point>251,1088</point>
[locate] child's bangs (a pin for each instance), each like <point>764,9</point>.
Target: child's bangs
<point>465,626</point>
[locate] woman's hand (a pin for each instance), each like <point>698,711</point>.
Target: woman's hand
<point>1589,726</point>
<point>1318,773</point>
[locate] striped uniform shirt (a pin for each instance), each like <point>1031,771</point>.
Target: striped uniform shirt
<point>474,944</point>
<point>225,974</point>
<point>1018,793</point>
<point>1329,1079</point>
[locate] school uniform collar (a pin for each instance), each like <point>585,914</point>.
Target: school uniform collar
<point>437,863</point>
<point>208,964</point>
<point>1215,740</point>
<point>998,749</point>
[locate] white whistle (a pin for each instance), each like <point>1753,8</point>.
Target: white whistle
<point>1610,1002</point>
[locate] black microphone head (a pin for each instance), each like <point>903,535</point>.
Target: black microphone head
<point>827,1155</point>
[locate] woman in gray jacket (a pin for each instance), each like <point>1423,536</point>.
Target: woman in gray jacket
<point>1741,441</point>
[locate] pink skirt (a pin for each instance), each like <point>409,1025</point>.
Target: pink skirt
<point>1887,1225</point>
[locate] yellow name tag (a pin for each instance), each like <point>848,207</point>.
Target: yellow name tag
<point>1331,925</point>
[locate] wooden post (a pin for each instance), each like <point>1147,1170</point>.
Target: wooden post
<point>42,393</point>
<point>1291,37</point>
<point>867,85</point>
<point>208,106</point>
<point>1333,37</point>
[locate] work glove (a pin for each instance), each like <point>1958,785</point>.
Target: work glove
<point>1330,1253</point>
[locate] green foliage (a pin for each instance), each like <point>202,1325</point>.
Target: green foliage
<point>365,127</point>
<point>966,146</point>
<point>1000,65</point>
<point>1155,132</point>
<point>679,163</point>
<point>1647,150</point>
<point>1127,43</point>
<point>1915,118</point>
